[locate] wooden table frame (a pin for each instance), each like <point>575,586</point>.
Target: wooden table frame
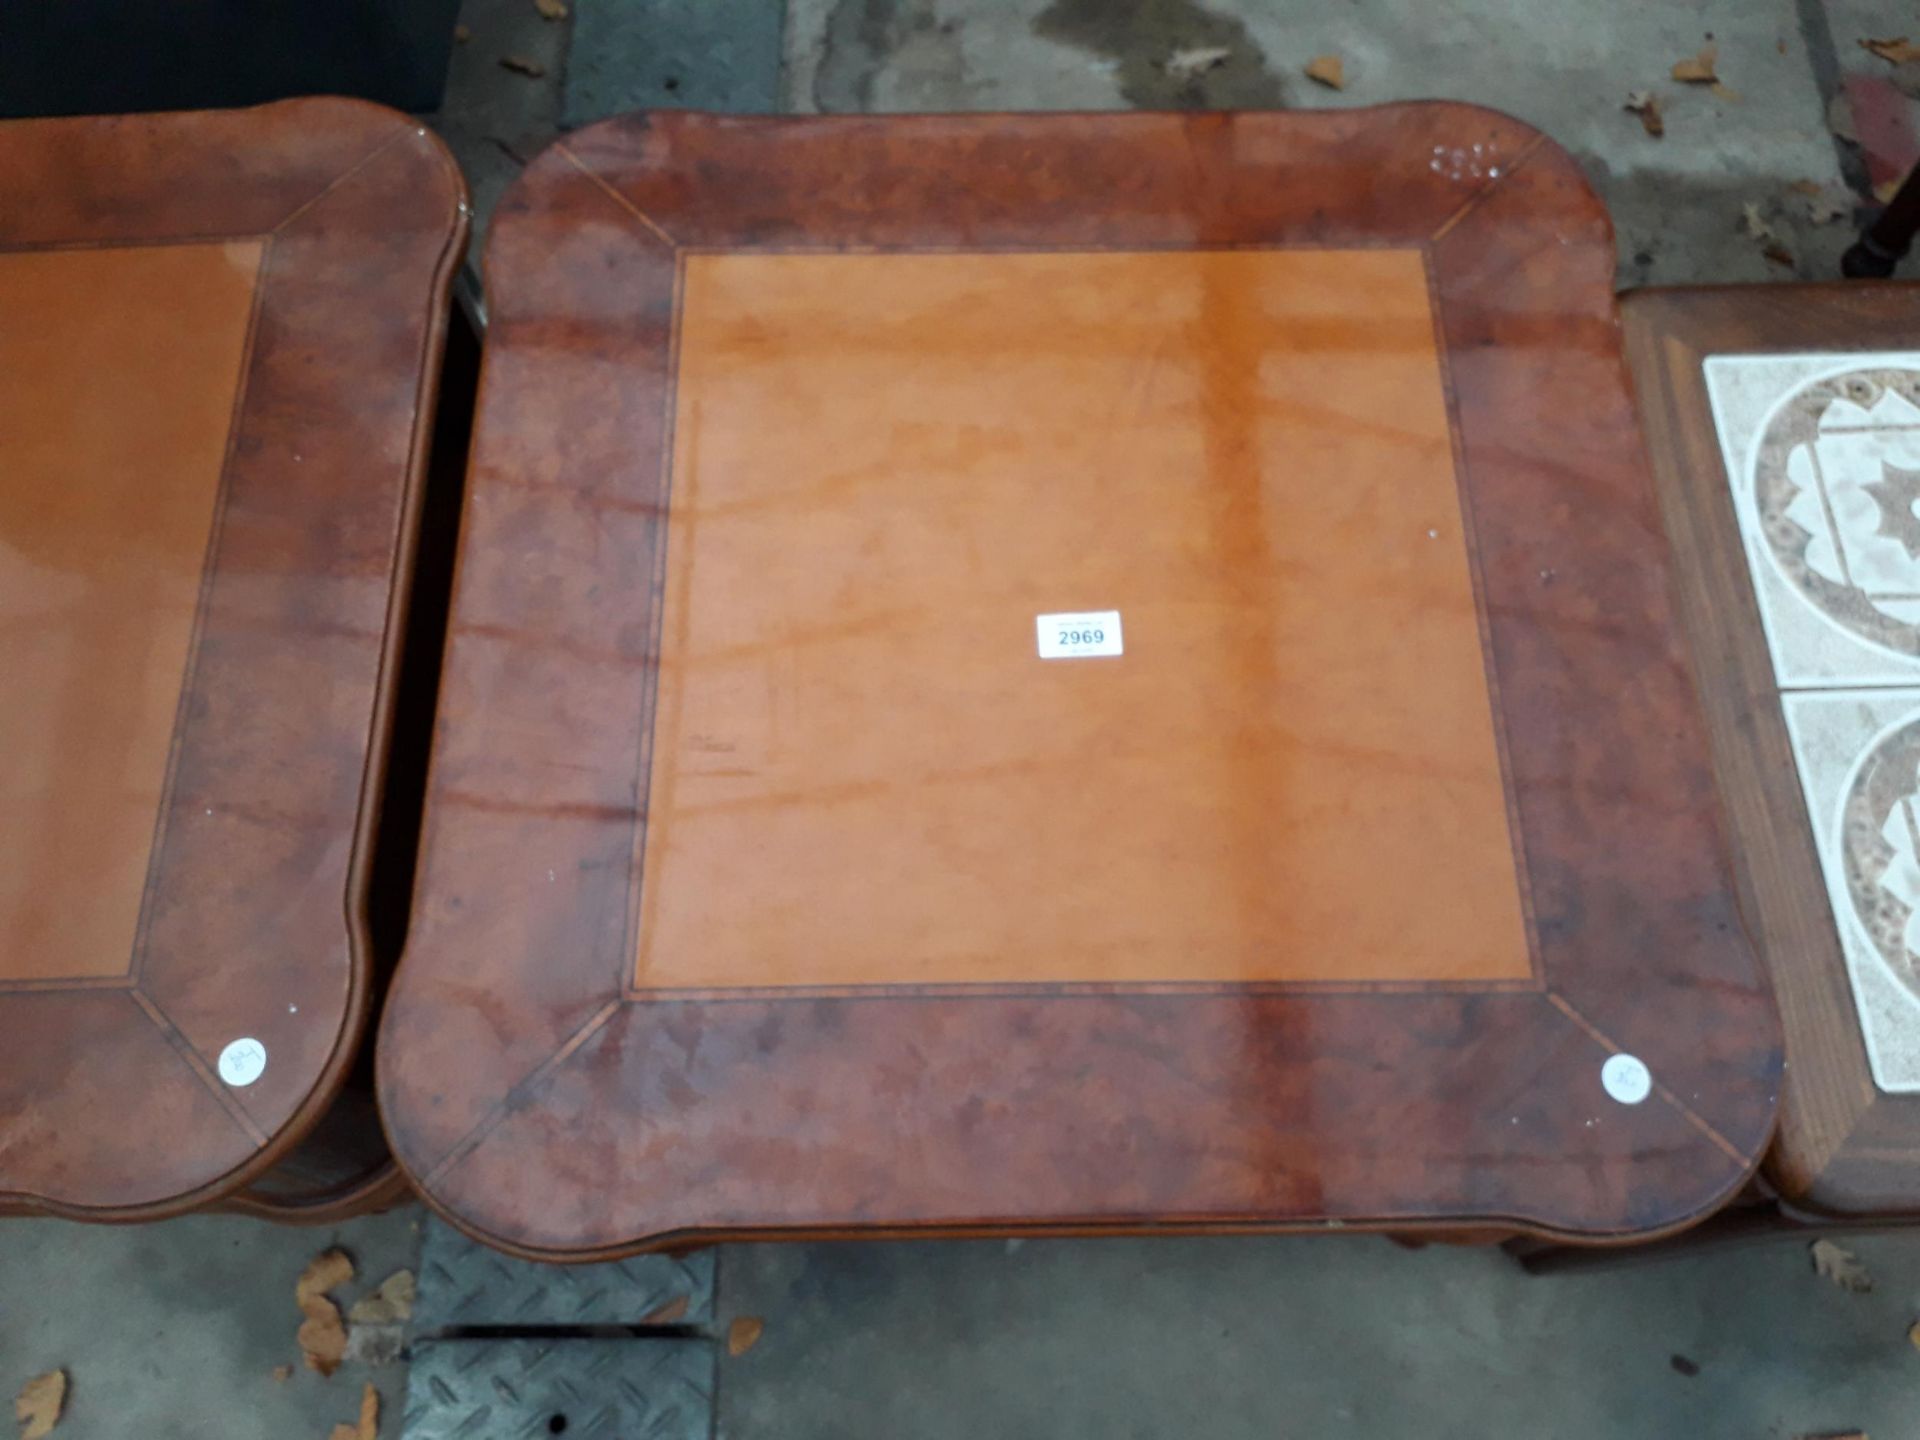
<point>361,219</point>
<point>1845,1149</point>
<point>531,1092</point>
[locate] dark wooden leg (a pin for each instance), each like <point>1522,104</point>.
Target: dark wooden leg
<point>1886,241</point>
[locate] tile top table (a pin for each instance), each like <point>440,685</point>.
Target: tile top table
<point>1065,673</point>
<point>1784,424</point>
<point>219,341</point>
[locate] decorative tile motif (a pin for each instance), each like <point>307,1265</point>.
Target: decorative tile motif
<point>1823,452</point>
<point>1859,758</point>
<point>1823,456</point>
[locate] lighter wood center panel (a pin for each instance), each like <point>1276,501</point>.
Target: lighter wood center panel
<point>118,369</point>
<point>885,467</point>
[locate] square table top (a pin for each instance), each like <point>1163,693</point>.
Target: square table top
<point>1065,672</point>
<point>1784,427</point>
<point>219,340</point>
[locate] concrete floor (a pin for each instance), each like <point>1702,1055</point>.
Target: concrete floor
<point>174,1330</point>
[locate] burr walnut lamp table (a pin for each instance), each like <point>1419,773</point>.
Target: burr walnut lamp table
<point>219,345</point>
<point>1784,425</point>
<point>1065,673</point>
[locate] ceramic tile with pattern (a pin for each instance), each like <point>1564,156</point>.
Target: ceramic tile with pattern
<point>1823,452</point>
<point>1859,758</point>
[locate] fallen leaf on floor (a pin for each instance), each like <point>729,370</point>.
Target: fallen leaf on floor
<point>389,1304</point>
<point>1328,70</point>
<point>1894,52</point>
<point>1190,64</point>
<point>1886,190</point>
<point>1771,245</point>
<point>551,9</point>
<point>521,65</point>
<point>462,34</point>
<point>37,1406</point>
<point>368,1427</point>
<point>282,1373</point>
<point>1840,120</point>
<point>667,1313</point>
<point>1726,93</point>
<point>375,1345</point>
<point>323,1339</point>
<point>1698,69</point>
<point>744,1334</point>
<point>1913,1334</point>
<point>1823,209</point>
<point>328,1270</point>
<point>1841,1266</point>
<point>1643,104</point>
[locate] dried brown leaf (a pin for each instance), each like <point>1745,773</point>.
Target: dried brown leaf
<point>1886,190</point>
<point>462,34</point>
<point>389,1304</point>
<point>1913,1334</point>
<point>1823,209</point>
<point>523,65</point>
<point>1840,1265</point>
<point>1778,253</point>
<point>37,1406</point>
<point>368,1427</point>
<point>328,1270</point>
<point>1327,70</point>
<point>1726,94</point>
<point>1840,120</point>
<point>1647,107</point>
<point>322,1338</point>
<point>551,9</point>
<point>667,1313</point>
<point>1698,69</point>
<point>1895,52</point>
<point>1191,64</point>
<point>744,1334</point>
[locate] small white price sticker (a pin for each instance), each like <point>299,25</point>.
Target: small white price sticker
<point>1087,632</point>
<point>243,1061</point>
<point>1627,1079</point>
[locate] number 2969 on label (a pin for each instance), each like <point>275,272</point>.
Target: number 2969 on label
<point>1082,633</point>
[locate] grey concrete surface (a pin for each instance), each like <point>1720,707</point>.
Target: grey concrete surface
<point>173,1331</point>
<point>668,54</point>
<point>1244,1339</point>
<point>1565,66</point>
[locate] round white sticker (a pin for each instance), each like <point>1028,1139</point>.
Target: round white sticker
<point>1627,1079</point>
<point>243,1061</point>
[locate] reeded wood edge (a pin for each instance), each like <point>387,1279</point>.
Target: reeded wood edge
<point>356,1012</point>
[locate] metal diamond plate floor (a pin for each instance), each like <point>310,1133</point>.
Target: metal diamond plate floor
<point>464,1284</point>
<point>582,1389</point>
